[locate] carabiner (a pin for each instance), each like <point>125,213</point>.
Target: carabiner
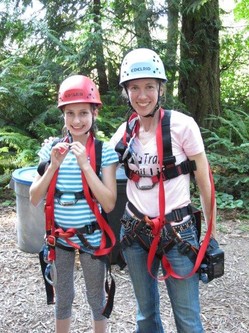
<point>51,274</point>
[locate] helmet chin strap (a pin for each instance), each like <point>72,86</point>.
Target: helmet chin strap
<point>151,114</point>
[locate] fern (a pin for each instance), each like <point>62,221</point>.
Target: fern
<point>17,150</point>
<point>228,153</point>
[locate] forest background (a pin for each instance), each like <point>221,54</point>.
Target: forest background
<point>203,44</point>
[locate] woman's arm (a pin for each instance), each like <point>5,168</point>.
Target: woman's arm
<point>204,185</point>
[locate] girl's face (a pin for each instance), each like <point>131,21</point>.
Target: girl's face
<point>79,118</point>
<point>143,95</point>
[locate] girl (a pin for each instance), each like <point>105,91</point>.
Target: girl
<point>73,160</point>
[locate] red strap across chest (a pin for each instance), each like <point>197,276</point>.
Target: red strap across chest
<point>49,208</point>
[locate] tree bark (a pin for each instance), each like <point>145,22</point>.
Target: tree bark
<point>99,49</point>
<point>199,79</point>
<point>172,43</point>
<point>141,25</point>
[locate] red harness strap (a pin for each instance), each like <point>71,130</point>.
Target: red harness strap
<point>105,228</point>
<point>158,223</point>
<point>53,233</point>
<point>49,216</point>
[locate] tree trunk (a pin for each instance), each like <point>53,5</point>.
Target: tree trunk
<point>141,17</point>
<point>199,80</point>
<point>99,49</point>
<point>172,41</point>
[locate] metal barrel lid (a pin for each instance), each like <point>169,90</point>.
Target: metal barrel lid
<point>24,175</point>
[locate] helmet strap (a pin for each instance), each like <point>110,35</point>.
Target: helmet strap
<point>92,128</point>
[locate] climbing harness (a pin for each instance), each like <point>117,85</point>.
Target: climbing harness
<point>155,234</point>
<point>53,231</point>
<point>169,169</point>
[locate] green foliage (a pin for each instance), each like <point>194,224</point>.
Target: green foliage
<point>111,115</point>
<point>192,7</point>
<point>228,154</point>
<point>226,201</point>
<point>17,150</point>
<point>234,63</point>
<point>242,10</point>
<point>48,123</point>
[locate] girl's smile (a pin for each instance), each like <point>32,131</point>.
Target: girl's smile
<point>78,118</point>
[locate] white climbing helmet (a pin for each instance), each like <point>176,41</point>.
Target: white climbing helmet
<point>141,63</point>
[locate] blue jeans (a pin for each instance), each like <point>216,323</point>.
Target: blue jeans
<point>183,294</point>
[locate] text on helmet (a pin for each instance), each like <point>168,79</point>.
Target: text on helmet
<point>140,69</point>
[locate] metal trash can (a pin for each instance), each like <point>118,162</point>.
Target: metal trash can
<point>30,224</point>
<point>31,220</point>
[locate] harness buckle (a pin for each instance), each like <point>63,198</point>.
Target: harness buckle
<point>90,229</point>
<point>147,186</point>
<point>148,221</point>
<point>184,247</point>
<point>177,213</point>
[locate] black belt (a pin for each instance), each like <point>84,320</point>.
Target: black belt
<point>175,215</point>
<point>133,223</point>
<point>89,229</point>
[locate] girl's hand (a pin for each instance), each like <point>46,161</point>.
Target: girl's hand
<point>58,153</point>
<point>79,150</point>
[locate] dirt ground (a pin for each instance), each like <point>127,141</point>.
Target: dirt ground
<point>23,308</point>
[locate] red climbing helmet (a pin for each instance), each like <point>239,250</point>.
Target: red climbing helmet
<point>78,89</point>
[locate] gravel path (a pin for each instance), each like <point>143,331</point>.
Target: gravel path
<point>225,301</point>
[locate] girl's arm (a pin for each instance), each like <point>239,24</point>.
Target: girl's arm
<point>39,187</point>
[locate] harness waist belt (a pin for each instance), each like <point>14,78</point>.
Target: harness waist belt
<point>131,225</point>
<point>175,215</point>
<point>87,229</point>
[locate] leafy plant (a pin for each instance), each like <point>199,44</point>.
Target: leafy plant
<point>17,150</point>
<point>228,154</point>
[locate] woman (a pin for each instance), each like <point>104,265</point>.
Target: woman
<point>158,192</point>
<point>73,158</point>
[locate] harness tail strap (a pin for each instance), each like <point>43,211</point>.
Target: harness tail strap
<point>156,231</point>
<point>158,223</point>
<point>49,214</point>
<point>201,252</point>
<point>105,228</point>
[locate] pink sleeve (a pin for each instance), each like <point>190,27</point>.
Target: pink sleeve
<point>185,135</point>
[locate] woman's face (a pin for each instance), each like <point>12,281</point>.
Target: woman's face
<point>143,95</point>
<point>78,118</point>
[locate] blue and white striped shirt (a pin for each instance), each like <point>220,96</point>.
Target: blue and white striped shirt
<point>69,181</point>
